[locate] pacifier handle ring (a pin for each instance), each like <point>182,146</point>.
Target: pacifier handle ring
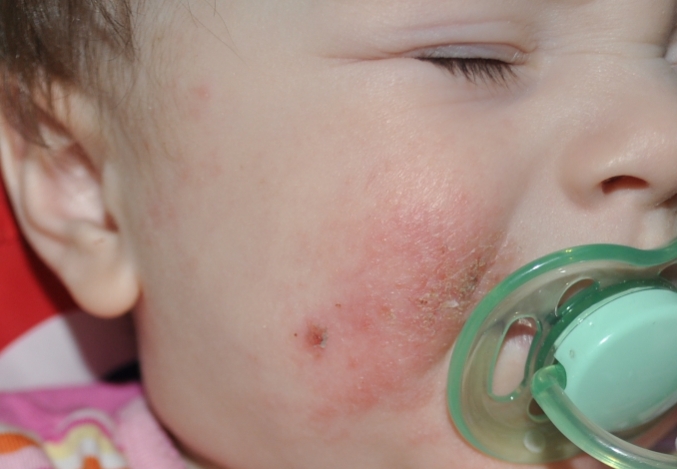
<point>547,388</point>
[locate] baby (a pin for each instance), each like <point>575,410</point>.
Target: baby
<point>302,201</point>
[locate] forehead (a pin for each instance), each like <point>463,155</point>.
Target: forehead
<point>355,14</point>
<point>471,9</point>
<point>380,28</point>
<point>391,26</point>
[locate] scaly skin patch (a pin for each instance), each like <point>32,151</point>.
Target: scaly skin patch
<point>397,306</point>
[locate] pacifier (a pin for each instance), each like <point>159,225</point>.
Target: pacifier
<point>601,370</point>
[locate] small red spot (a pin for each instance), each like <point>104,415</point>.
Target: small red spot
<point>316,336</point>
<point>198,101</point>
<point>203,92</point>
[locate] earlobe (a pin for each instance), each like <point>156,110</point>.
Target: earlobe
<point>58,194</point>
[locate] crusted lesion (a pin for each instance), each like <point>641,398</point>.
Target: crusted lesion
<point>317,336</point>
<point>451,293</point>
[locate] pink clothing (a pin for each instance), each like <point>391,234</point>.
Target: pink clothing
<point>94,427</point>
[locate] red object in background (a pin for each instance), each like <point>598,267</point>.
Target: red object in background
<point>29,292</point>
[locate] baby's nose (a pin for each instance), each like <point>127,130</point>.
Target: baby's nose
<point>624,157</point>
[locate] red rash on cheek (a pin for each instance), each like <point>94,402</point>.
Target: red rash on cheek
<point>394,308</point>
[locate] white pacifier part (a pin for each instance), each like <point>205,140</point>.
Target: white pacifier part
<point>602,365</point>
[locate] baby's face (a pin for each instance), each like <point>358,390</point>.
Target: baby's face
<point>327,188</point>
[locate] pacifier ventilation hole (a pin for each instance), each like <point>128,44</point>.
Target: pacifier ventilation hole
<point>574,289</point>
<point>535,412</point>
<point>669,273</point>
<point>511,360</point>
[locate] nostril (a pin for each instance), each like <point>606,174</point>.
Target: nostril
<point>619,183</point>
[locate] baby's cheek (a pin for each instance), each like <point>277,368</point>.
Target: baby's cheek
<point>400,287</point>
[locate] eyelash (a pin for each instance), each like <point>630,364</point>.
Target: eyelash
<point>476,70</point>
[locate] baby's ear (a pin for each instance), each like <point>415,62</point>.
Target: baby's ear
<point>63,192</point>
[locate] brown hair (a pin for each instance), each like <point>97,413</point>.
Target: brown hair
<point>43,42</point>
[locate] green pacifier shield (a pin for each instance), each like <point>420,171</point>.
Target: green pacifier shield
<point>620,359</point>
<point>603,358</point>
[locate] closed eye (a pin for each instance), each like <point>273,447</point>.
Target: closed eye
<point>475,69</point>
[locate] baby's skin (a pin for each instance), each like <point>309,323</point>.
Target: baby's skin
<point>303,201</point>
